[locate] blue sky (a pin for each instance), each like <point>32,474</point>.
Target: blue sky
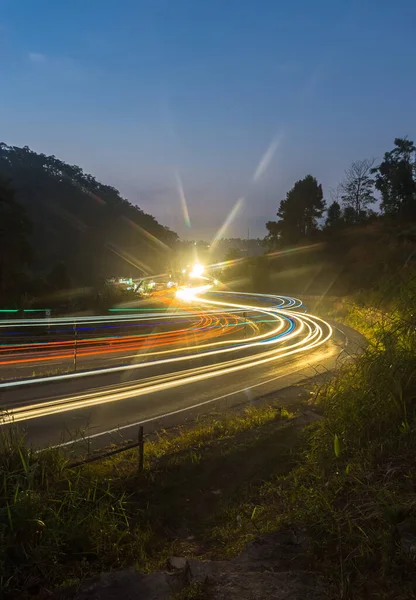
<point>233,98</point>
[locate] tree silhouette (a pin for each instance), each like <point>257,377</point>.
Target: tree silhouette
<point>58,278</point>
<point>299,212</point>
<point>334,218</point>
<point>396,180</point>
<point>272,238</point>
<point>357,188</point>
<point>232,255</point>
<point>15,249</point>
<point>349,215</point>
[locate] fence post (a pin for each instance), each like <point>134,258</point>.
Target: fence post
<point>75,346</point>
<point>141,449</point>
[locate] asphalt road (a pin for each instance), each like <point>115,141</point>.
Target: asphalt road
<point>206,350</point>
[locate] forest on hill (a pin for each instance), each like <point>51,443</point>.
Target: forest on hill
<point>365,233</point>
<point>63,223</point>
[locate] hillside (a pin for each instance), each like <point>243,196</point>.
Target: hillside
<point>358,258</point>
<point>82,222</point>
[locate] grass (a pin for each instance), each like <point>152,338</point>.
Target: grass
<point>193,591</point>
<point>60,524</point>
<point>356,483</point>
<point>355,487</point>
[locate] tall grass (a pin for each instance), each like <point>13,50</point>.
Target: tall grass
<point>55,521</point>
<point>355,488</point>
<point>60,524</point>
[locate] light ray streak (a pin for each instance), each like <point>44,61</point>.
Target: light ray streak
<point>182,198</point>
<point>267,158</point>
<point>231,216</point>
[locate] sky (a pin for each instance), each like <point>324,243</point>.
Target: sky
<point>205,112</point>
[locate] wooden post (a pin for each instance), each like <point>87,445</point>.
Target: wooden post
<point>75,346</point>
<point>141,449</point>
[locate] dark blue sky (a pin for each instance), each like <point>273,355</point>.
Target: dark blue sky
<point>230,98</point>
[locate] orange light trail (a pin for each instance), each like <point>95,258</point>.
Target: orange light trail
<point>206,327</point>
<point>289,333</point>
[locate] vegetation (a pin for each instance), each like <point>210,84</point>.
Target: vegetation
<point>299,212</point>
<point>357,188</point>
<point>59,524</point>
<point>394,178</point>
<point>354,247</point>
<point>83,230</point>
<point>355,487</point>
<point>15,250</point>
<point>334,218</point>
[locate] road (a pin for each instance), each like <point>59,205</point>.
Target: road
<point>204,349</point>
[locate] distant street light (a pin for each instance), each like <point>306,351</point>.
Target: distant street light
<point>197,270</point>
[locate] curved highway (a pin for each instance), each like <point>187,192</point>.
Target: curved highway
<point>199,348</point>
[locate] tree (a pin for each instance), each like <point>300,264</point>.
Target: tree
<point>15,250</point>
<point>299,212</point>
<point>349,215</point>
<point>233,255</point>
<point>396,180</point>
<point>83,223</point>
<point>259,268</point>
<point>235,264</point>
<point>336,193</point>
<point>334,216</point>
<point>272,238</point>
<point>357,188</point>
<point>58,278</point>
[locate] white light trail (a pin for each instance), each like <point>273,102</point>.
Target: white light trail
<point>293,333</point>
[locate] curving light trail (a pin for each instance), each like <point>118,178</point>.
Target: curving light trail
<point>264,329</point>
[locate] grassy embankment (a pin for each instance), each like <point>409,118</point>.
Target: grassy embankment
<point>210,488</point>
<point>60,524</point>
